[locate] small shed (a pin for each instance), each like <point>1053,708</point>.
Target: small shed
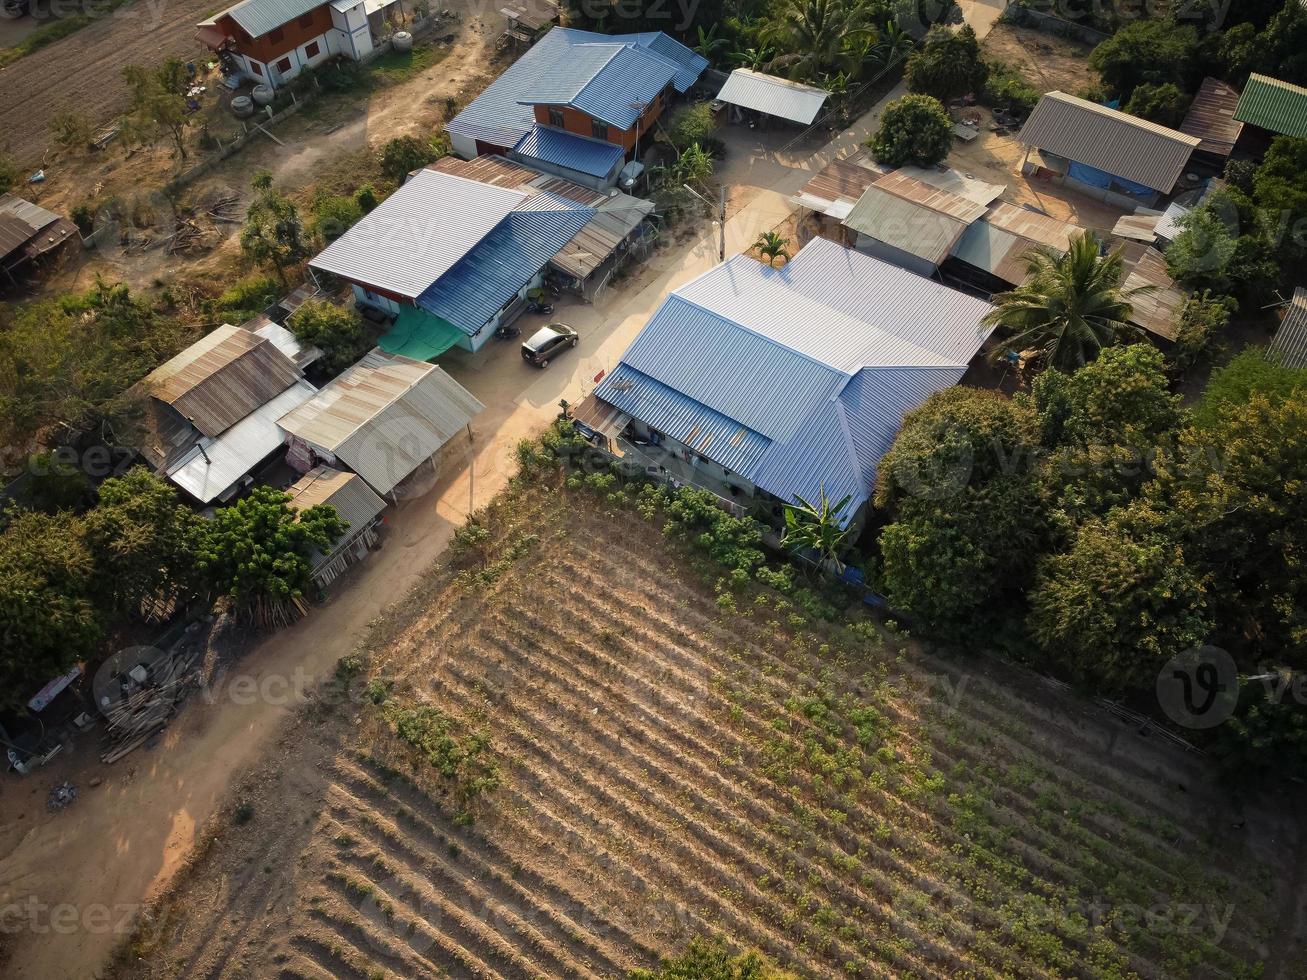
<point>1158,310</point>
<point>904,220</point>
<point>356,504</point>
<point>772,96</point>
<point>1211,117</point>
<point>30,233</point>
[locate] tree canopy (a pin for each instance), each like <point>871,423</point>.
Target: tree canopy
<point>273,233</point>
<point>1148,51</point>
<point>913,130</point>
<point>337,331</point>
<point>947,64</point>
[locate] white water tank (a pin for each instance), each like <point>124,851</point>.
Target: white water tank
<point>402,41</point>
<point>242,106</point>
<point>262,95</point>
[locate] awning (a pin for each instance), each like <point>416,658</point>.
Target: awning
<point>599,416</point>
<point>211,36</point>
<point>774,96</point>
<point>420,335</point>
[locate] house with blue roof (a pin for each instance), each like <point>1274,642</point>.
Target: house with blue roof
<point>789,382</point>
<point>577,103</point>
<point>448,260</point>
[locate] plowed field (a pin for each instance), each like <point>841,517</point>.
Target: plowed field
<point>839,799</point>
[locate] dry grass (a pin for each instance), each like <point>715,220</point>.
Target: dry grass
<point>671,765</point>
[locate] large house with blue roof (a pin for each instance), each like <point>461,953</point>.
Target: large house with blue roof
<point>448,259</point>
<point>577,102</point>
<point>792,381</point>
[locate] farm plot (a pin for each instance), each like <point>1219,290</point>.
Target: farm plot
<point>677,758</point>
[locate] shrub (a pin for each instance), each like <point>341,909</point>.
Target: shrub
<point>1163,104</point>
<point>946,64</point>
<point>333,215</point>
<point>691,123</point>
<point>1006,88</point>
<point>914,130</point>
<point>1202,323</point>
<point>467,759</point>
<point>245,299</point>
<point>366,198</point>
<point>404,154</point>
<point>336,330</point>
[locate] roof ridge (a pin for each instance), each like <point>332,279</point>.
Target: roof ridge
<point>1138,121</point>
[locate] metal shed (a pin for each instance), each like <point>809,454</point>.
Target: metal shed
<point>773,96</point>
<point>1290,341</point>
<point>355,503</point>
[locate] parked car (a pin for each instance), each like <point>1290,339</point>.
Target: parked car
<point>547,343</point>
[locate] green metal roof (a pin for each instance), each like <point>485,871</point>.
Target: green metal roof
<point>1273,105</point>
<point>420,335</point>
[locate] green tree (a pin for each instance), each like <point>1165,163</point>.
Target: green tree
<point>47,619</point>
<point>1221,248</point>
<point>1120,603</point>
<point>821,527</point>
<point>143,540</point>
<point>893,44</point>
<point>691,124</point>
<point>405,154</point>
<point>1280,192</point>
<point>257,550</point>
<point>333,215</point>
<point>273,233</point>
<point>773,246</point>
<point>947,64</point>
<point>1164,104</point>
<point>960,484</point>
<point>753,58</point>
<point>1282,45</point>
<point>708,44</point>
<point>57,483</point>
<point>335,330</point>
<point>913,130</point>
<point>159,100</point>
<point>1149,51</point>
<point>1070,307</point>
<point>712,959</point>
<point>1203,324</point>
<point>1252,372</point>
<point>811,34</point>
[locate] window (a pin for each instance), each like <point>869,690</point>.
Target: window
<point>556,119</point>
<point>312,51</point>
<point>256,68</point>
<point>283,65</point>
<point>599,129</point>
<point>275,35</point>
<point>306,20</point>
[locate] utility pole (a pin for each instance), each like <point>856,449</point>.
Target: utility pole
<point>721,219</point>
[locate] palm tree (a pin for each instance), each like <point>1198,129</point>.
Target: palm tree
<point>1070,307</point>
<point>893,45</point>
<point>773,246</point>
<point>821,527</point>
<point>813,34</point>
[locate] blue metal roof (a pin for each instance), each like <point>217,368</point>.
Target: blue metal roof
<point>765,385</point>
<point>723,439</point>
<point>497,116</point>
<point>624,87</point>
<point>797,358</point>
<point>499,265</point>
<point>567,150</point>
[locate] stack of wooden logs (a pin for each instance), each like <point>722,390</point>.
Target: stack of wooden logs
<point>145,712</point>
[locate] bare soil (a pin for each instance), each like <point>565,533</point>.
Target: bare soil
<point>849,804</point>
<point>1048,62</point>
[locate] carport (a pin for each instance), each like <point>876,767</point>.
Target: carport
<point>752,91</point>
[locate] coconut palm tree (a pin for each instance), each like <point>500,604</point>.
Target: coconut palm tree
<point>813,33</point>
<point>773,246</point>
<point>1070,307</point>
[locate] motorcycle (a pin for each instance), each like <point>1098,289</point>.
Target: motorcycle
<point>543,309</point>
<point>507,333</point>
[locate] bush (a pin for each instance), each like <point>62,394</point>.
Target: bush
<point>335,330</point>
<point>1147,52</point>
<point>1006,88</point>
<point>9,174</point>
<point>83,216</point>
<point>1163,104</point>
<point>691,123</point>
<point>466,759</point>
<point>404,154</point>
<point>333,215</point>
<point>1202,323</point>
<point>366,198</point>
<point>712,959</point>
<point>245,299</point>
<point>947,64</point>
<point>914,130</point>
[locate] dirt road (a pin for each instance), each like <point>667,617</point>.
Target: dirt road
<point>83,72</point>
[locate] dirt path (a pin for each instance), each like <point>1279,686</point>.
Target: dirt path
<point>83,72</point>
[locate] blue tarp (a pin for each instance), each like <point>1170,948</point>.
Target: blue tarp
<point>1094,177</point>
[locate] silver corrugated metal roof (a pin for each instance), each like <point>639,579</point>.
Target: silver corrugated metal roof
<point>258,17</point>
<point>32,215</point>
<point>418,233</point>
<point>238,450</point>
<point>774,96</point>
<point>1290,341</point>
<point>302,355</point>
<point>913,216</point>
<point>1140,226</point>
<point>1117,143</point>
<point>384,417</point>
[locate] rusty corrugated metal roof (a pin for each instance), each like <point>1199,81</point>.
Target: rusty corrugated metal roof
<point>836,188</point>
<point>222,378</point>
<point>1211,117</point>
<point>912,216</point>
<point>1157,311</point>
<point>1114,142</point>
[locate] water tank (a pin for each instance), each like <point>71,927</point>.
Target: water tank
<point>242,106</point>
<point>262,95</point>
<point>402,41</point>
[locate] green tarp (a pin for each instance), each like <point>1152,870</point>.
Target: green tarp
<point>420,335</point>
